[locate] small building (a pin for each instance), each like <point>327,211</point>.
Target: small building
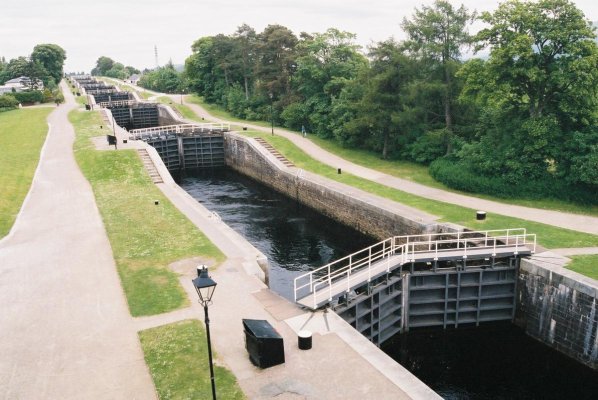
<point>133,79</point>
<point>21,84</point>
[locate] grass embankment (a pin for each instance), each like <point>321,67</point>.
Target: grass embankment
<point>184,110</point>
<point>548,236</point>
<point>586,265</point>
<point>402,169</point>
<point>22,135</point>
<point>419,173</point>
<point>176,355</point>
<point>145,237</point>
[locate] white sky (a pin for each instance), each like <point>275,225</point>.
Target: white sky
<point>127,30</point>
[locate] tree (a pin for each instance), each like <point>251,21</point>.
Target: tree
<point>537,88</point>
<point>544,56</point>
<point>117,71</point>
<point>328,60</point>
<point>276,62</point>
<point>16,67</point>
<point>103,64</point>
<point>245,50</point>
<point>51,57</point>
<point>131,70</point>
<point>437,34</point>
<point>165,79</point>
<point>379,105</point>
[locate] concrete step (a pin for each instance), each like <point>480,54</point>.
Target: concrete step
<point>274,152</point>
<point>149,166</point>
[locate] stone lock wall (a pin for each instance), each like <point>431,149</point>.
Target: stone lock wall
<point>322,195</point>
<point>559,308</point>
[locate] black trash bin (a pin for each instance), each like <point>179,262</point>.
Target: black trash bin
<point>264,345</point>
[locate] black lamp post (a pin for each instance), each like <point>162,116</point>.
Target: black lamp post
<point>205,287</point>
<point>271,113</point>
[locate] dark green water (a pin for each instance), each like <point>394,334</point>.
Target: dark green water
<point>295,238</point>
<point>488,362</point>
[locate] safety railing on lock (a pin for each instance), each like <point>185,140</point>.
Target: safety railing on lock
<point>181,129</point>
<point>118,103</point>
<point>355,269</point>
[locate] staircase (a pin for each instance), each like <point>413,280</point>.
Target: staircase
<point>274,152</point>
<point>149,166</point>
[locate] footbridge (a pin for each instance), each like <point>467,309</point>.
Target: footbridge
<point>403,282</point>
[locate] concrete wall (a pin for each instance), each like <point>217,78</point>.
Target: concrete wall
<point>166,116</point>
<point>362,211</point>
<point>558,307</point>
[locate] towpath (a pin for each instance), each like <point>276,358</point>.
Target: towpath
<point>65,329</point>
<point>578,222</point>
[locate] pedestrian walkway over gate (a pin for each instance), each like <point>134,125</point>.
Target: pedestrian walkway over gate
<point>180,129</point>
<point>321,286</point>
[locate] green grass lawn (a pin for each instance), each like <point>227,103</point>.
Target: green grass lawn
<point>145,237</point>
<point>22,135</point>
<point>177,357</point>
<point>548,236</point>
<point>586,265</point>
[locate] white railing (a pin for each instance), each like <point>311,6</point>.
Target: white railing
<point>357,268</point>
<point>102,91</point>
<point>157,131</point>
<point>118,103</point>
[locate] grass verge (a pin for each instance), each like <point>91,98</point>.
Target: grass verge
<point>549,236</point>
<point>22,135</point>
<point>177,357</point>
<point>145,237</point>
<point>586,265</point>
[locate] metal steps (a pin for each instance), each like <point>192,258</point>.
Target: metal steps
<point>149,166</point>
<point>274,152</point>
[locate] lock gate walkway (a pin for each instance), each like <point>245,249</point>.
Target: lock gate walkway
<point>326,284</point>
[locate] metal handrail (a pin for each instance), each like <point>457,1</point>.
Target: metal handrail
<point>360,263</point>
<point>178,129</point>
<point>120,103</point>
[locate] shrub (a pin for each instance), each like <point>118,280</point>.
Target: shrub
<point>29,97</point>
<point>458,175</point>
<point>8,102</point>
<point>427,147</point>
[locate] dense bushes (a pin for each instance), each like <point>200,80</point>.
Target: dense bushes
<point>8,102</point>
<point>460,176</point>
<point>29,97</point>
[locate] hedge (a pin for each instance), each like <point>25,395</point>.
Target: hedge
<point>29,97</point>
<point>458,175</point>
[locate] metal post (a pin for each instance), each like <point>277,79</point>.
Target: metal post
<point>271,113</point>
<point>207,320</point>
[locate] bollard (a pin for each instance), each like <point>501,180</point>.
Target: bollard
<point>156,202</point>
<point>339,171</point>
<point>480,215</point>
<point>304,340</point>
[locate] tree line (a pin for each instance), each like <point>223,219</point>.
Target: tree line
<point>516,120</point>
<point>106,66</point>
<point>44,65</point>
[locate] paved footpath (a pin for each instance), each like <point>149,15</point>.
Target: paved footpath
<point>582,223</point>
<point>65,329</point>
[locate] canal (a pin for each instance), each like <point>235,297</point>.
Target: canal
<point>295,238</point>
<point>488,362</point>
